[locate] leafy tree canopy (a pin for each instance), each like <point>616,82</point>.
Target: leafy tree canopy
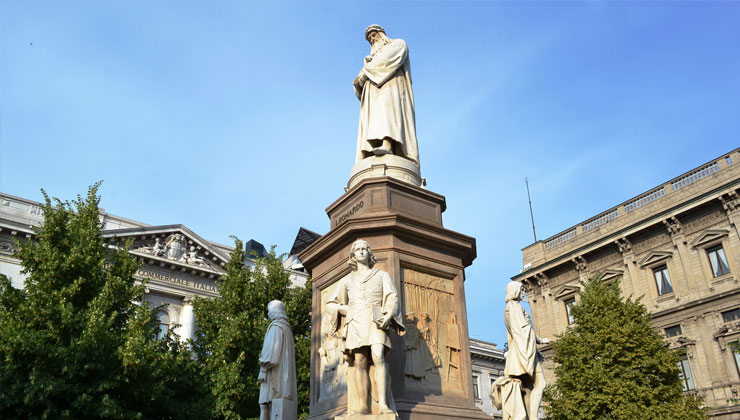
<point>232,329</point>
<point>74,343</point>
<point>612,364</point>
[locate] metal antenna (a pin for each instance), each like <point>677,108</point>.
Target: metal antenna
<point>526,181</point>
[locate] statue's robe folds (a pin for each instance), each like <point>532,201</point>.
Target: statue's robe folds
<point>278,361</point>
<point>387,103</point>
<point>523,355</point>
<point>368,297</point>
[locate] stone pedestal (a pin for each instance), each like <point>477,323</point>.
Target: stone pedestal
<point>387,165</point>
<point>282,409</point>
<point>430,365</point>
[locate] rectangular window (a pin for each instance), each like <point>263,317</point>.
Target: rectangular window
<point>673,331</point>
<point>475,387</point>
<point>736,352</point>
<point>568,304</point>
<point>663,280</point>
<point>718,261</point>
<point>684,370</point>
<point>731,315</point>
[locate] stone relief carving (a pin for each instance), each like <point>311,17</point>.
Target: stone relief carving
<point>432,340</point>
<point>333,369</point>
<point>174,248</point>
<point>8,247</point>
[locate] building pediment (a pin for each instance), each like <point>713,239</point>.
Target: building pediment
<point>655,257</point>
<point>173,246</point>
<point>708,236</point>
<point>567,291</point>
<point>609,274</point>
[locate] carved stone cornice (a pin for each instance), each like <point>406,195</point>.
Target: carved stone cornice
<point>730,201</point>
<point>727,333</point>
<point>542,280</point>
<point>624,245</point>
<point>581,264</point>
<point>679,342</point>
<point>673,226</point>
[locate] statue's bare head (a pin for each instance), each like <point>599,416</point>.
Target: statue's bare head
<point>361,253</point>
<point>275,310</point>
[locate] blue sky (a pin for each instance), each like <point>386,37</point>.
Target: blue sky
<point>238,118</point>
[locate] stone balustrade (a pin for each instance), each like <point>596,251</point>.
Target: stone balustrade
<point>566,240</point>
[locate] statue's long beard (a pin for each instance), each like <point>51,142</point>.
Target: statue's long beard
<point>374,48</point>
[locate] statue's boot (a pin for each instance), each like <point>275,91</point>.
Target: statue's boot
<point>381,151</point>
<point>384,409</point>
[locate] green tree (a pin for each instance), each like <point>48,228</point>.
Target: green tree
<point>74,343</point>
<point>612,364</point>
<point>232,328</point>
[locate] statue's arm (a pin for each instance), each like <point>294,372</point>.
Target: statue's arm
<point>337,304</point>
<point>387,62</point>
<point>271,351</point>
<point>391,305</point>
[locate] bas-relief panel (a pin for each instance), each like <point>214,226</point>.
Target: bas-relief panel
<point>603,259</point>
<point>703,220</point>
<point>432,347</point>
<point>333,368</point>
<point>648,242</point>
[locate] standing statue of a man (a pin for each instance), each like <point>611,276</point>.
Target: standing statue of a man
<point>523,370</point>
<point>387,122</point>
<point>368,300</point>
<point>277,367</point>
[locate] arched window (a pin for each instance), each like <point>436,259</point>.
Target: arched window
<point>164,324</point>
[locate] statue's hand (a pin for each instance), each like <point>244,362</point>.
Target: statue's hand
<point>262,376</point>
<point>386,321</point>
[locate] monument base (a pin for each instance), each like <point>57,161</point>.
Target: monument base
<point>282,409</point>
<point>388,165</point>
<point>430,367</point>
<point>367,417</point>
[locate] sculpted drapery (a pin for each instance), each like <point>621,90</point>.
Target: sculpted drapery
<point>387,102</point>
<point>277,363</point>
<point>522,355</point>
<point>368,297</point>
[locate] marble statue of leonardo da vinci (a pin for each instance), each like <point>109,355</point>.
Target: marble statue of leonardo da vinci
<point>387,123</point>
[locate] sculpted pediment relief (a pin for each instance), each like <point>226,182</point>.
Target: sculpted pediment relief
<point>567,291</point>
<point>174,245</point>
<point>655,257</point>
<point>708,236</point>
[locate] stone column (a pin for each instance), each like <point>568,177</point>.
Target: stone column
<point>186,320</point>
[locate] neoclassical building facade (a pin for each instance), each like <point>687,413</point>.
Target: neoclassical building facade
<point>678,247</point>
<point>178,263</point>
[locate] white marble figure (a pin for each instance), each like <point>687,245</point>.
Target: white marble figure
<point>277,364</point>
<point>523,370</point>
<point>387,122</point>
<point>368,300</point>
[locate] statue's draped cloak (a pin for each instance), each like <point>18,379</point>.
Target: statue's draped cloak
<point>278,357</point>
<point>522,356</point>
<point>387,102</point>
<point>373,293</point>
